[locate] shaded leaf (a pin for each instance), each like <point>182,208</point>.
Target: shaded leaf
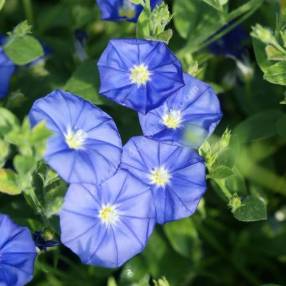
<point>253,209</point>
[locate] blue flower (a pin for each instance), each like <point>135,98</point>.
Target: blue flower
<point>116,10</point>
<point>86,146</point>
<point>17,253</point>
<point>108,224</point>
<point>139,74</point>
<point>175,174</point>
<point>187,117</point>
<point>7,69</point>
<point>232,44</point>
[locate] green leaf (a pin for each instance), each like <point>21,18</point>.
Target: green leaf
<point>276,73</point>
<point>273,72</point>
<point>24,164</point>
<point>183,237</point>
<point>196,20</point>
<point>85,82</point>
<point>23,50</point>
<point>2,3</point>
<point>253,209</point>
<point>221,172</point>
<point>111,282</point>
<point>8,182</point>
<point>8,121</point>
<point>201,24</point>
<point>258,126</point>
<point>152,24</point>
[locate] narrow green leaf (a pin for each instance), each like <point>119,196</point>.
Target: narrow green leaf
<point>258,126</point>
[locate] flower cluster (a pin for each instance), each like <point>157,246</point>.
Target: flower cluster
<point>118,194</point>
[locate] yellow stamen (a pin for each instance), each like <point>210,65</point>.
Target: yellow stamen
<point>108,215</point>
<point>139,74</point>
<point>75,140</point>
<point>160,176</point>
<point>172,119</point>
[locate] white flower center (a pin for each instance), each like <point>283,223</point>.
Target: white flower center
<point>108,214</point>
<point>140,74</point>
<point>160,176</point>
<point>75,139</point>
<point>172,119</point>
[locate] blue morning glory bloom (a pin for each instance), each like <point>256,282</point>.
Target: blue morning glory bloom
<point>7,69</point>
<point>116,10</point>
<point>107,225</point>
<point>85,146</point>
<point>187,117</point>
<point>17,253</point>
<point>139,74</point>
<point>176,175</point>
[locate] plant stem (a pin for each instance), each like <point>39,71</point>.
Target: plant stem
<point>28,8</point>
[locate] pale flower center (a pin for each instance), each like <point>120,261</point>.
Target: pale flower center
<point>127,9</point>
<point>172,119</point>
<point>139,74</point>
<point>108,215</point>
<point>75,139</point>
<point>160,176</point>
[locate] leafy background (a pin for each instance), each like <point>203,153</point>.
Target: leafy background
<point>238,234</point>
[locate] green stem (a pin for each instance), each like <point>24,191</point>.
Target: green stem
<point>39,208</point>
<point>28,8</point>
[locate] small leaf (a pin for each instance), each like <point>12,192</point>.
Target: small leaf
<point>24,164</point>
<point>253,208</point>
<point>8,121</point>
<point>111,282</point>
<point>221,172</point>
<point>23,49</point>
<point>8,182</point>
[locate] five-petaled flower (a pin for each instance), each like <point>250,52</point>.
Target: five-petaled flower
<point>108,224</point>
<point>85,146</point>
<point>17,253</point>
<point>175,174</point>
<point>116,10</point>
<point>139,74</point>
<point>186,118</point>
